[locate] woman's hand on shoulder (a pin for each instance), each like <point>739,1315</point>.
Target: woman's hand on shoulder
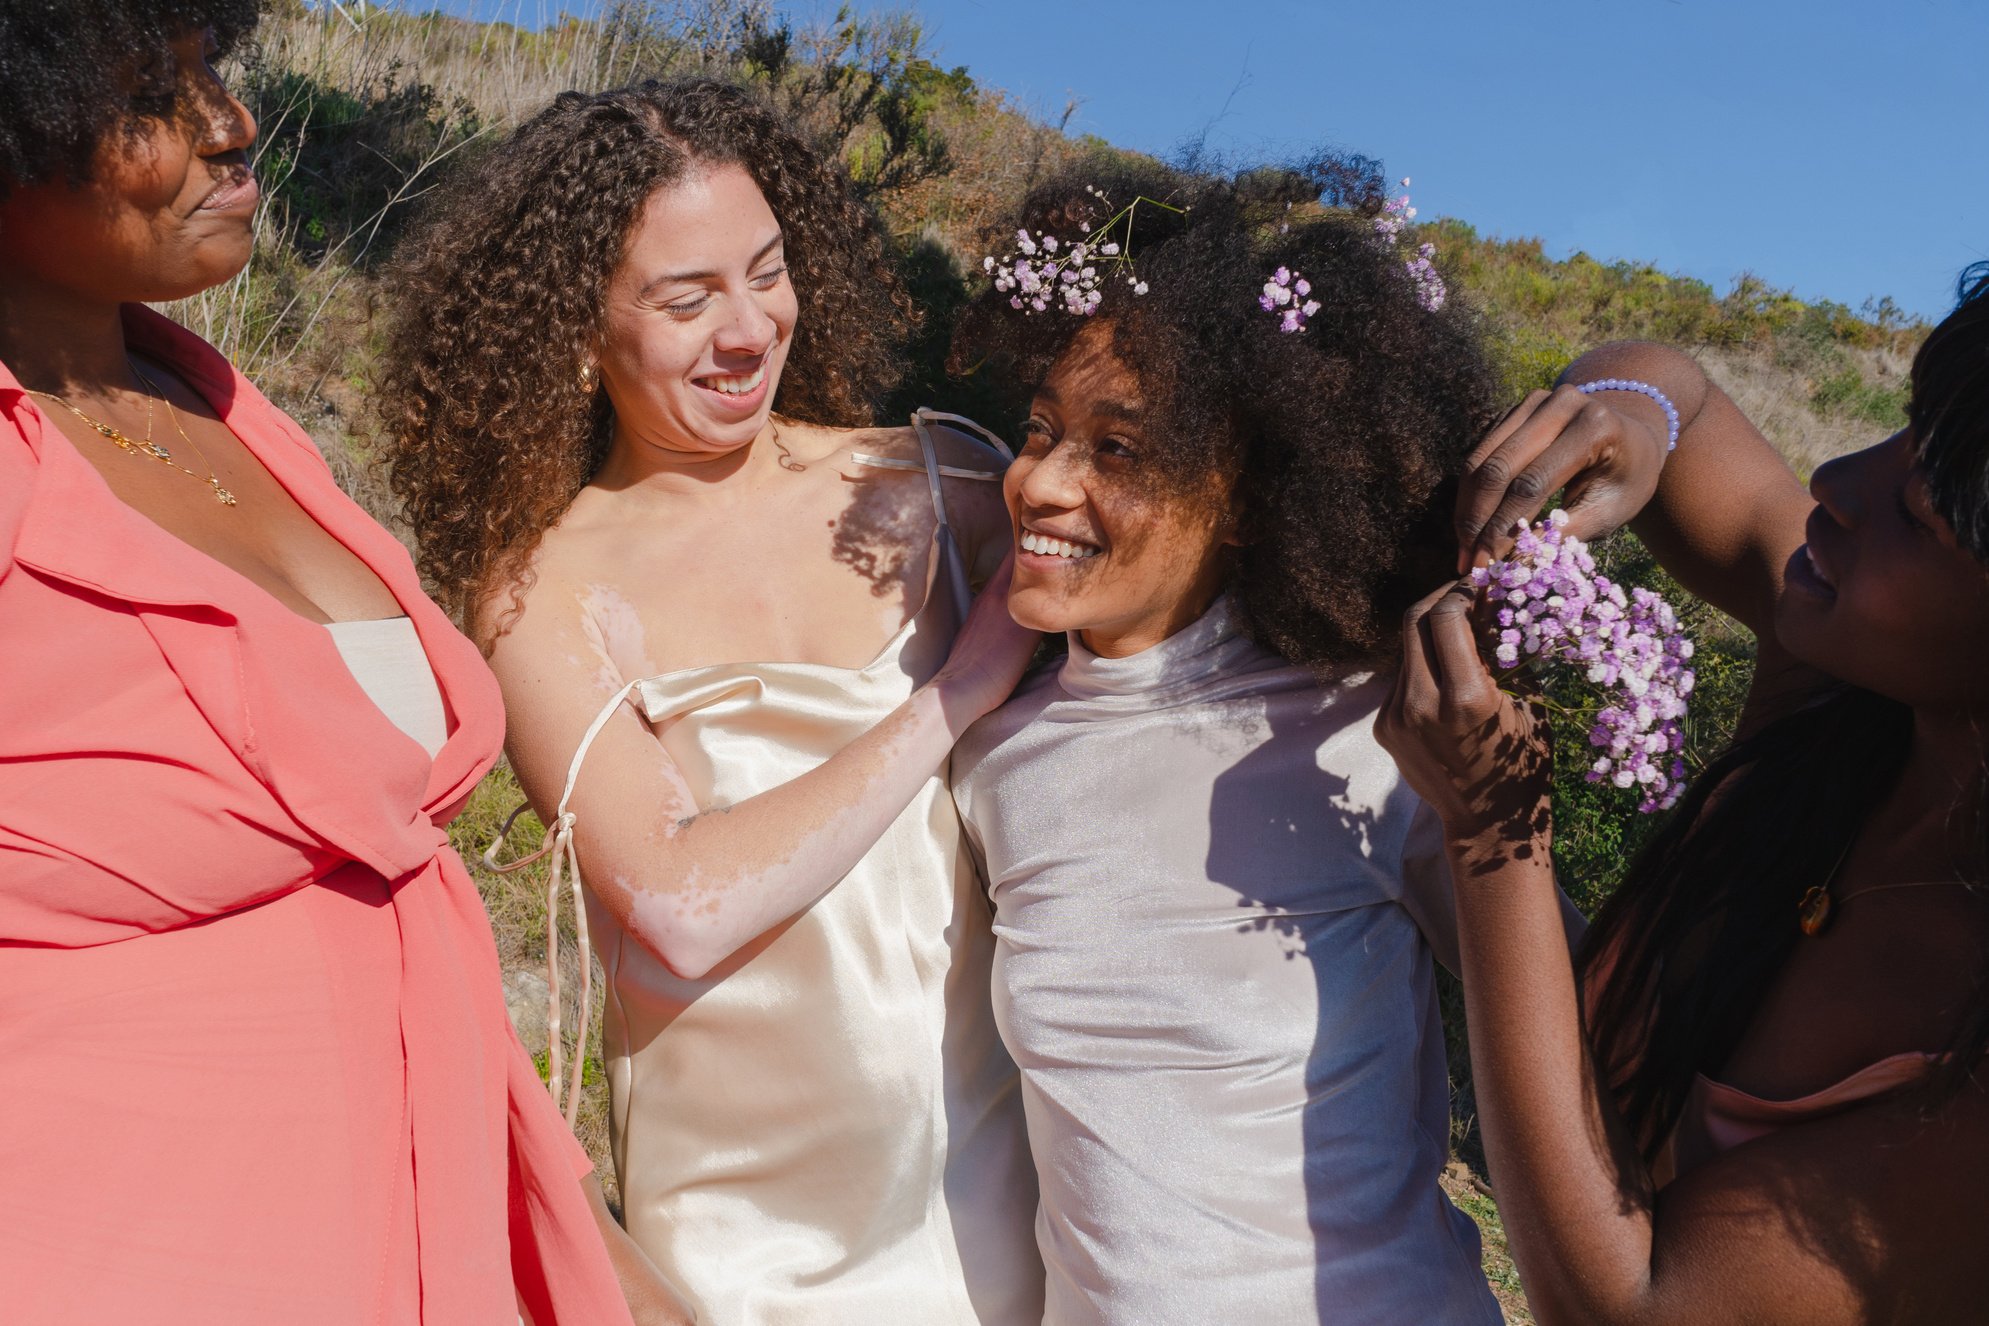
<point>989,655</point>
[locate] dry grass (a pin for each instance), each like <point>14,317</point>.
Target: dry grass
<point>1778,400</point>
<point>517,906</point>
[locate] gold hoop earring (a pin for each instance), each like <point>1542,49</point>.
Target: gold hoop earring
<point>586,377</point>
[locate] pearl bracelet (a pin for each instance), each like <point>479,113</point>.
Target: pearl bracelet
<point>1645,388</point>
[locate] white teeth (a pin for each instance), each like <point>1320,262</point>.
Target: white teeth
<point>737,386</point>
<point>1049,547</point>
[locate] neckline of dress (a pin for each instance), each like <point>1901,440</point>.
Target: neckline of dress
<point>934,551</point>
<point>375,623</point>
<point>1206,647</point>
<point>1889,1067</point>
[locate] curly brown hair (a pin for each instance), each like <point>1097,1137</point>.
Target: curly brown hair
<point>487,429</point>
<point>1339,440</point>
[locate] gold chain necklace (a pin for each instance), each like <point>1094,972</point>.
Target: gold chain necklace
<point>148,447</point>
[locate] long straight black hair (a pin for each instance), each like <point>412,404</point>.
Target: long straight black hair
<point>1683,953</point>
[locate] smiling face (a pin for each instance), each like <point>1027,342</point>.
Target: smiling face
<point>167,211</point>
<point>699,317</point>
<point>1101,548</point>
<point>1881,595</point>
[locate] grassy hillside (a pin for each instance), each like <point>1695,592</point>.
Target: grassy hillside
<point>363,111</point>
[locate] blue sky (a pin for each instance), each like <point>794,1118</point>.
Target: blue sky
<point>1836,147</point>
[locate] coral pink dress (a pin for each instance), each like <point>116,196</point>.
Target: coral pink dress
<point>254,1059</point>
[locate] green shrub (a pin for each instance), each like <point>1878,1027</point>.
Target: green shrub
<point>1846,393</point>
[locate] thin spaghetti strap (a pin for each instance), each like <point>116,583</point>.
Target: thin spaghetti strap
<point>931,466</point>
<point>558,845</point>
<point>961,423</point>
<point>943,537</point>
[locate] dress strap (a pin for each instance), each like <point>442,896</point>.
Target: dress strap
<point>944,540</point>
<point>931,466</point>
<point>922,419</point>
<point>558,845</point>
<point>960,423</point>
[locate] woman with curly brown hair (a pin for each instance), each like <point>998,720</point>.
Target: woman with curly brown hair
<point>1216,904</point>
<point>253,1047</point>
<point>813,1118</point>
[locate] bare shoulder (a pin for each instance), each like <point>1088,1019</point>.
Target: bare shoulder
<point>971,469</point>
<point>518,620</point>
<point>1873,1213</point>
<point>956,444</point>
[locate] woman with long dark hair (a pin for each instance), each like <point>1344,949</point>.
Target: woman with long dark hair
<point>1763,1100</point>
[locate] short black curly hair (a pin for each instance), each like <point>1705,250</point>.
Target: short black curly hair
<point>487,429</point>
<point>1339,440</point>
<point>74,72</point>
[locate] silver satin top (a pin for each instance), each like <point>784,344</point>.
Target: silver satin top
<point>1215,904</point>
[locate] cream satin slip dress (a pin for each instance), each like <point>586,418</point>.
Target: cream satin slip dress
<point>826,1129</point>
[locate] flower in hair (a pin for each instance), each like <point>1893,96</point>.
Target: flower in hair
<point>1396,213</point>
<point>1285,296</point>
<point>1044,272</point>
<point>1552,607</point>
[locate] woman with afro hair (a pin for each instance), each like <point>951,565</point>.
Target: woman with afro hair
<point>631,380</point>
<point>1216,905</point>
<point>253,1045</point>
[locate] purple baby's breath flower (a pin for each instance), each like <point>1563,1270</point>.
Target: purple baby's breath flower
<point>1282,295</point>
<point>1045,271</point>
<point>1552,607</point>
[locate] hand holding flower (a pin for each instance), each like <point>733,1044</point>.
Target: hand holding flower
<point>1479,755</point>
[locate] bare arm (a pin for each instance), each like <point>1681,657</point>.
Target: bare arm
<point>1722,513</point>
<point>694,884</point>
<point>1429,894</point>
<point>1862,1217</point>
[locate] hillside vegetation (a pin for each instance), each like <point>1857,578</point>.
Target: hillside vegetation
<point>364,109</point>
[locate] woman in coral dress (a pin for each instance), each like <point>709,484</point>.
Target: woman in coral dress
<point>254,1060</point>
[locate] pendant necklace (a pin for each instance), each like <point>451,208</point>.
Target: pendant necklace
<point>132,446</point>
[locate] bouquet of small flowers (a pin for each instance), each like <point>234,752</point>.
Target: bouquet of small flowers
<point>1552,607</point>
